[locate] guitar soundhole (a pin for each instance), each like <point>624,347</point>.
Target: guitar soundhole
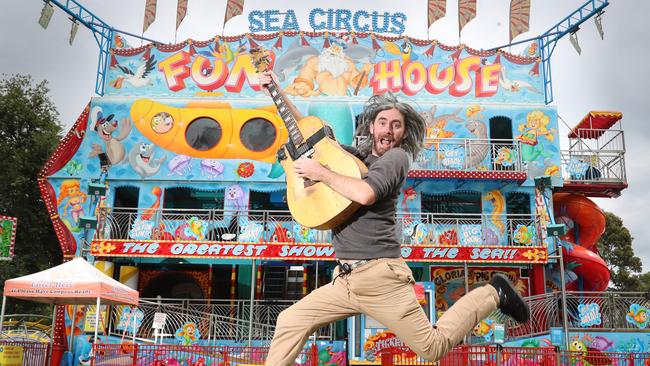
<point>309,182</point>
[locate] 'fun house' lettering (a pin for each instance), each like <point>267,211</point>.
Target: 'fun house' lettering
<point>411,78</point>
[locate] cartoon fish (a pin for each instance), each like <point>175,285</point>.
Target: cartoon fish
<point>449,237</point>
<point>601,343</point>
<point>409,194</point>
<point>524,235</point>
<point>552,170</point>
<point>484,329</point>
<point>472,112</point>
<point>639,315</point>
<point>282,235</point>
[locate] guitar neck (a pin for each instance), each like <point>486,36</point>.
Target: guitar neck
<point>285,112</point>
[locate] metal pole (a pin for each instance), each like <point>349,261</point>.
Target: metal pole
<point>2,313</point>
<point>468,339</point>
<point>72,321</point>
<point>250,314</point>
<point>96,320</point>
<point>49,356</point>
<point>565,320</point>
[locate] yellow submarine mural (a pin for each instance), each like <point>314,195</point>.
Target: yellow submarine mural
<point>232,133</point>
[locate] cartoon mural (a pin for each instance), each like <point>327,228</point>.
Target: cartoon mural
<point>73,199</point>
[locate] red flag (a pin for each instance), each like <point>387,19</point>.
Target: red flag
<point>326,43</point>
<point>233,8</point>
<point>251,42</point>
<point>436,10</point>
<point>519,17</point>
<point>497,60</point>
<point>192,49</point>
<point>354,38</point>
<point>113,60</point>
<point>375,44</point>
<point>535,70</point>
<point>456,54</point>
<point>278,43</point>
<point>181,10</point>
<point>466,12</point>
<point>429,52</point>
<point>303,40</point>
<point>149,14</point>
<point>147,53</point>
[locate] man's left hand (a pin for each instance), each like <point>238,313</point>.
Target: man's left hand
<point>310,169</point>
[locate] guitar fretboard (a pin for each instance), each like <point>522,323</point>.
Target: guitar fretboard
<point>284,111</point>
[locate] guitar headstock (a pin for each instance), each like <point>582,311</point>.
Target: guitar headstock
<point>261,58</point>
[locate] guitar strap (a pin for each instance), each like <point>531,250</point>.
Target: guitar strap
<point>296,152</point>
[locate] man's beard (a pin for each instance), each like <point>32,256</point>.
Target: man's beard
<point>336,64</point>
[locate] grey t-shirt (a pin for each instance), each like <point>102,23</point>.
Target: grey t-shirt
<point>371,232</point>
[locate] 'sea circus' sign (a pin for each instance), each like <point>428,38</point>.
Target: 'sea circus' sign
<point>308,251</point>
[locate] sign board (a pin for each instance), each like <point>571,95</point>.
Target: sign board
<point>89,321</point>
<point>11,355</point>
<point>7,236</point>
<point>159,321</point>
<point>556,336</point>
<point>499,333</point>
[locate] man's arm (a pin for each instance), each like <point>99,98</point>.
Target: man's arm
<point>354,189</point>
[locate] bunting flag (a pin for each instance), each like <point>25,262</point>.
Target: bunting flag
<point>535,70</point>
<point>429,52</point>
<point>436,10</point>
<point>181,11</point>
<point>326,43</point>
<point>233,8</point>
<point>466,12</point>
<point>519,17</point>
<point>113,60</point>
<point>278,44</point>
<point>149,14</point>
<point>46,15</point>
<point>303,40</point>
<point>73,32</point>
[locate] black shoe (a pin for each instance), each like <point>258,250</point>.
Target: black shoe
<point>510,302</point>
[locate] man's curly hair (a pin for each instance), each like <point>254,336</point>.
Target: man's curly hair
<point>413,140</point>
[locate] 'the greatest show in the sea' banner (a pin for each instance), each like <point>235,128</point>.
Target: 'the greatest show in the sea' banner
<point>326,66</point>
<point>308,251</point>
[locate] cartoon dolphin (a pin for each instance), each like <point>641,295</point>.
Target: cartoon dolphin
<point>291,59</point>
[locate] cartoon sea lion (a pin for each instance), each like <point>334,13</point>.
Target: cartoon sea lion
<point>105,127</point>
<point>142,161</point>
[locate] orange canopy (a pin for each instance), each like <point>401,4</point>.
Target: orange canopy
<point>73,282</point>
<point>594,124</point>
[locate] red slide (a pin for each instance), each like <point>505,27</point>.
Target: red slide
<point>585,222</point>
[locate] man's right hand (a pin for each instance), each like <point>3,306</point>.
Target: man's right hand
<point>266,77</point>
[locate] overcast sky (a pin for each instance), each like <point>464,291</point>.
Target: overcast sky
<point>611,74</point>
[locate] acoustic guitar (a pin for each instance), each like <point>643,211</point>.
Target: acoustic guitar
<point>312,204</point>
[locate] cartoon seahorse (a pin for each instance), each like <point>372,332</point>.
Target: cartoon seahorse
<point>498,204</point>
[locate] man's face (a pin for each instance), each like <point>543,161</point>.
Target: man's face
<point>387,131</point>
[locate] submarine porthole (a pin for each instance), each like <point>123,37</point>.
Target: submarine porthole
<point>203,133</point>
<point>257,134</point>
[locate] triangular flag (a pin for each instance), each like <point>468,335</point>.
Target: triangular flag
<point>497,60</point>
<point>466,12</point>
<point>456,54</point>
<point>278,43</point>
<point>326,43</point>
<point>519,17</point>
<point>354,38</point>
<point>251,42</point>
<point>192,50</point>
<point>216,44</point>
<point>535,70</point>
<point>147,53</point>
<point>181,11</point>
<point>233,8</point>
<point>436,10</point>
<point>113,60</point>
<point>303,40</point>
<point>149,14</point>
<point>375,44</point>
<point>429,52</point>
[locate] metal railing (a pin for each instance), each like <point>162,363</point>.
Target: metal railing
<point>470,155</point>
<point>593,139</point>
<point>33,353</point>
<point>255,226</point>
<point>593,166</point>
<point>546,312</point>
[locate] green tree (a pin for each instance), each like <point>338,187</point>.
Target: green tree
<point>615,247</point>
<point>29,132</point>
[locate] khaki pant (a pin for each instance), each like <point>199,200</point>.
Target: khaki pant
<point>382,289</point>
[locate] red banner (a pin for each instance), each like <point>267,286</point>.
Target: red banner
<point>307,251</point>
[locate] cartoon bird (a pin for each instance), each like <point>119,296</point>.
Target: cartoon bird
<point>224,51</point>
<point>515,86</point>
<point>473,111</point>
<point>404,51</point>
<point>137,79</point>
